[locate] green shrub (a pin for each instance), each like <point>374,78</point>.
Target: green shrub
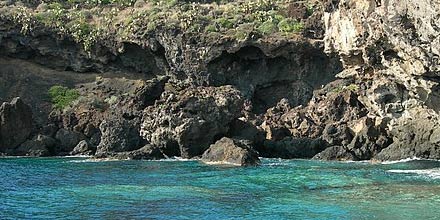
<point>62,97</point>
<point>225,23</point>
<point>290,25</point>
<point>210,28</point>
<point>267,27</point>
<point>310,9</point>
<point>351,87</point>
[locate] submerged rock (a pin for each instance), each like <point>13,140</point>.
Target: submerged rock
<point>336,153</point>
<point>148,152</point>
<point>231,151</point>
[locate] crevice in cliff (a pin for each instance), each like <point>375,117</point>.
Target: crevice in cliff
<point>293,73</point>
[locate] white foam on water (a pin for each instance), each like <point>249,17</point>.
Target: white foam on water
<point>275,164</point>
<point>225,163</point>
<point>354,161</point>
<point>94,160</point>
<point>431,173</point>
<point>77,156</point>
<point>403,160</point>
<point>179,159</point>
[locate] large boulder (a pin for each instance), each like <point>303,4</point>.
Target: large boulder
<point>184,123</point>
<point>231,151</point>
<point>336,153</point>
<point>15,124</point>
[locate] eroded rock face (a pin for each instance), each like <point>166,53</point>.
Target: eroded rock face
<point>327,120</point>
<point>107,114</point>
<point>15,124</point>
<point>383,106</point>
<point>418,136</point>
<point>184,123</point>
<point>231,151</point>
<point>390,50</point>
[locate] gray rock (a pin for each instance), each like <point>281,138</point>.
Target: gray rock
<point>336,153</point>
<point>290,148</point>
<point>245,130</point>
<point>415,137</point>
<point>231,151</point>
<point>148,152</point>
<point>68,140</point>
<point>39,146</point>
<point>15,124</point>
<point>187,122</point>
<point>119,134</point>
<point>83,148</point>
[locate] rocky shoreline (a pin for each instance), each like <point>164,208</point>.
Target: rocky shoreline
<point>364,87</point>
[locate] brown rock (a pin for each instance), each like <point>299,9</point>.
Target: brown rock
<point>231,151</point>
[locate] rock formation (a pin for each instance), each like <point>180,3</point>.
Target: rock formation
<point>185,123</point>
<point>15,124</point>
<point>344,80</point>
<point>231,151</point>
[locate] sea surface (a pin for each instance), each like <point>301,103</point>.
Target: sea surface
<point>81,188</point>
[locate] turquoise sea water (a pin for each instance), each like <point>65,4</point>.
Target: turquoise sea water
<point>78,188</point>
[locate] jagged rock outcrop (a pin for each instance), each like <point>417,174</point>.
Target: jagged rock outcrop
<point>390,49</point>
<point>418,136</point>
<point>15,124</point>
<point>184,123</point>
<point>107,114</point>
<point>231,151</point>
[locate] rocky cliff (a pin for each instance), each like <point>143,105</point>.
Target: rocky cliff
<point>347,80</point>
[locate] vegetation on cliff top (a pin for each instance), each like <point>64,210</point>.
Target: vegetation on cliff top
<point>90,21</point>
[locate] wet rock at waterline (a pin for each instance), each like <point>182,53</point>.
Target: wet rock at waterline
<point>231,151</point>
